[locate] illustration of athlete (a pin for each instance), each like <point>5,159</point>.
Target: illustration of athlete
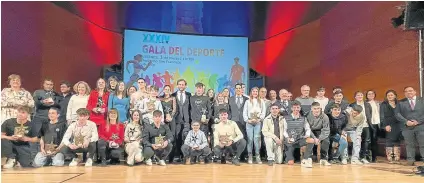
<point>188,75</point>
<point>237,72</point>
<point>213,83</point>
<point>137,65</point>
<point>147,80</point>
<point>167,77</point>
<point>222,82</point>
<point>157,80</point>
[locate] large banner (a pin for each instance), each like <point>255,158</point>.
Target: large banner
<point>162,58</point>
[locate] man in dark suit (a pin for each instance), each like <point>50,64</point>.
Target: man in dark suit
<point>410,111</point>
<point>284,102</point>
<point>182,119</point>
<point>236,103</point>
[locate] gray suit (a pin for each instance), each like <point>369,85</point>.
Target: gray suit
<point>182,121</point>
<point>237,116</point>
<point>403,113</point>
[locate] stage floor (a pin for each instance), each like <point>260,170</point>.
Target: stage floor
<point>373,173</point>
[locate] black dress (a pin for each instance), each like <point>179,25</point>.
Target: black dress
<point>387,118</point>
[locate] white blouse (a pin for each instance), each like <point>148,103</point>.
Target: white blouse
<point>76,102</point>
<point>375,107</point>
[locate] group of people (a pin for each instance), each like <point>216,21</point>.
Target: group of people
<point>100,124</point>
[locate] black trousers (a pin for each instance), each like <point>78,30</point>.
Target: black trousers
<point>374,140</point>
<point>189,152</point>
<point>365,144</point>
<point>414,136</point>
<point>325,144</point>
<point>162,154</point>
<point>105,152</point>
<point>91,150</point>
<point>179,138</point>
<point>22,153</point>
<point>290,147</point>
<point>237,148</point>
<point>394,137</point>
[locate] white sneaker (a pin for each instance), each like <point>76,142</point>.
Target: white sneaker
<point>324,162</point>
<point>250,160</point>
<point>162,163</point>
<point>258,159</point>
<point>89,162</point>
<point>139,158</point>
<point>356,162</point>
<point>344,161</point>
<point>365,161</point>
<point>149,162</point>
<point>74,162</point>
<point>306,163</point>
<point>10,163</point>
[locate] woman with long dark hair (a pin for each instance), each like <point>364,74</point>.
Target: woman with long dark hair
<point>98,102</point>
<point>169,106</point>
<point>120,101</point>
<point>111,137</point>
<point>133,137</point>
<point>392,126</point>
<point>375,122</point>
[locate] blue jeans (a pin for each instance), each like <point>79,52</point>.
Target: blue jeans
<point>342,146</point>
<point>253,137</point>
<point>56,160</point>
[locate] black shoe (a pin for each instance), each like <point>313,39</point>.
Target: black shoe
<point>223,160</point>
<point>236,161</point>
<point>103,162</point>
<point>270,162</point>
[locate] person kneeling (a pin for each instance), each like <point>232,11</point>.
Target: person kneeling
<point>50,142</point>
<point>297,134</point>
<point>16,135</point>
<point>157,140</point>
<point>273,133</point>
<point>84,137</point>
<point>195,144</point>
<point>111,138</point>
<point>320,128</point>
<point>227,137</point>
<point>133,146</point>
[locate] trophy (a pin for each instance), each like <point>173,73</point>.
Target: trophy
<point>99,104</point>
<point>50,148</point>
<point>20,131</point>
<point>293,135</point>
<point>151,104</point>
<point>49,96</point>
<point>114,137</point>
<point>224,139</point>
<point>203,119</point>
<point>159,140</point>
<point>79,140</point>
<point>255,114</point>
<point>131,134</point>
<point>168,111</point>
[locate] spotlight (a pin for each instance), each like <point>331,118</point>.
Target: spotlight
<point>398,21</point>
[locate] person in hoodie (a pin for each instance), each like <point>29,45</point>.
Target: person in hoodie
<point>201,108</point>
<point>50,141</point>
<point>338,122</point>
<point>320,128</point>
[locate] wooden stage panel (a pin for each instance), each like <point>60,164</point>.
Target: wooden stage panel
<point>216,173</point>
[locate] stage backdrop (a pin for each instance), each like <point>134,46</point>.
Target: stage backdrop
<point>163,58</point>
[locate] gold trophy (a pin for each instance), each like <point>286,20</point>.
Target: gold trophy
<point>224,139</point>
<point>50,148</point>
<point>20,131</point>
<point>159,140</point>
<point>168,114</point>
<point>49,97</point>
<point>254,116</point>
<point>79,140</point>
<point>151,104</point>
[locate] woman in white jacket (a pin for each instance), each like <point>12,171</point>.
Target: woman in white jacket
<point>77,101</point>
<point>253,114</point>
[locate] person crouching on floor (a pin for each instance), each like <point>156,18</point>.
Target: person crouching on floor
<point>338,122</point>
<point>133,134</point>
<point>297,134</point>
<point>50,141</point>
<point>16,135</point>
<point>273,135</point>
<point>320,128</point>
<point>228,137</point>
<point>195,144</point>
<point>111,137</point>
<point>157,139</point>
<point>81,137</point>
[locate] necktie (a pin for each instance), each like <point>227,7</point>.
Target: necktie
<point>181,97</point>
<point>412,104</point>
<point>238,102</point>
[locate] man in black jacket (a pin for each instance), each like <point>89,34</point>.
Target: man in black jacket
<point>410,111</point>
<point>44,99</point>
<point>65,89</point>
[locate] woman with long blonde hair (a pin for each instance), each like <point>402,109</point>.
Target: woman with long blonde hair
<point>253,113</point>
<point>111,137</point>
<point>77,101</point>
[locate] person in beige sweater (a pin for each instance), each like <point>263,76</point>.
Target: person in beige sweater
<point>273,129</point>
<point>132,138</point>
<point>228,137</point>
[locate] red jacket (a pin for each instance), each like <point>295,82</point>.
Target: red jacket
<point>113,134</point>
<point>98,118</point>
